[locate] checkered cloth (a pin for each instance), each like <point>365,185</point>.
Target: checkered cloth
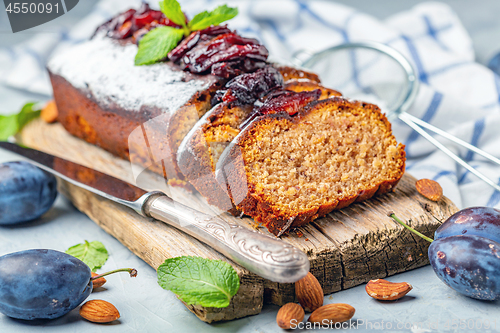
<point>456,95</point>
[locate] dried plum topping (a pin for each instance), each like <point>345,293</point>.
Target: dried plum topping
<point>226,47</point>
<point>288,101</point>
<point>230,69</point>
<point>282,101</point>
<point>216,50</point>
<point>249,87</point>
<point>192,40</point>
<point>134,23</point>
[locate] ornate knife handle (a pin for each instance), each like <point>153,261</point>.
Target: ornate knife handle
<point>268,257</point>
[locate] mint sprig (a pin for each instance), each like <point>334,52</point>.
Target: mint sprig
<point>14,123</point>
<point>157,43</point>
<point>94,254</point>
<point>200,281</point>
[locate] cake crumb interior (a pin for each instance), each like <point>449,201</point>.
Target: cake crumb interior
<point>331,154</point>
<point>226,126</point>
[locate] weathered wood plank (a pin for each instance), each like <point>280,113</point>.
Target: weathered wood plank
<point>346,248</point>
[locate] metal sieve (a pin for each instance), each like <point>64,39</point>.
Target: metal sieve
<point>379,74</point>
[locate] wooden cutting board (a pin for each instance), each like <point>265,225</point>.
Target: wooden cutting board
<point>345,248</point>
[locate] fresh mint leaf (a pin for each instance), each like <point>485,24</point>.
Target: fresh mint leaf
<point>94,254</point>
<point>27,114</point>
<point>8,126</point>
<point>215,17</point>
<point>195,280</point>
<point>12,124</point>
<point>198,18</point>
<point>172,10</point>
<point>156,44</point>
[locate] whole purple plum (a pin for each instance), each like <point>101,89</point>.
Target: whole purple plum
<point>42,284</point>
<point>469,264</point>
<point>26,192</point>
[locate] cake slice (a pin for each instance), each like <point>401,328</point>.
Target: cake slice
<point>199,152</point>
<point>285,171</point>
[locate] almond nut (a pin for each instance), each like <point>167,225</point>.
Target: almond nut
<point>99,311</point>
<point>429,189</point>
<point>387,291</point>
<point>309,292</point>
<point>288,313</point>
<point>97,282</point>
<point>334,313</point>
<point>49,112</point>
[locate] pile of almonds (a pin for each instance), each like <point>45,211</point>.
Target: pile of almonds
<point>310,295</point>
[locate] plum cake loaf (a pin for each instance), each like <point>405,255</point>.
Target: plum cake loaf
<point>253,137</point>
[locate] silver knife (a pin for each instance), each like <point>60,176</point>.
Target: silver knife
<point>263,255</point>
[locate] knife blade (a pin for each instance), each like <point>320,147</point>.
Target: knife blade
<point>263,255</point>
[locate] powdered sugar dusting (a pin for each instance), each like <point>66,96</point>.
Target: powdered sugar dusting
<point>105,70</point>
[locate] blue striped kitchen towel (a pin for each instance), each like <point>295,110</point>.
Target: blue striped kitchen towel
<point>457,94</point>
